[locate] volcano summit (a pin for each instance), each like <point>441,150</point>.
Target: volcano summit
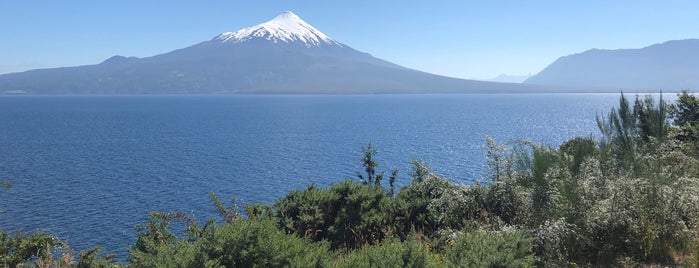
<point>287,28</point>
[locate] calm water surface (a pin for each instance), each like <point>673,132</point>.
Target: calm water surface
<point>90,168</point>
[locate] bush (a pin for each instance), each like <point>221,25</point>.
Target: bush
<point>18,249</point>
<point>157,246</point>
<point>480,248</point>
<point>391,253</point>
<point>249,243</point>
<point>349,214</point>
<point>413,209</point>
<point>244,243</point>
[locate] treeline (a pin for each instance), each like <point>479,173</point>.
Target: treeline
<point>628,198</point>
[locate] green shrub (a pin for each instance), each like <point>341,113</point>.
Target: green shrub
<point>157,246</point>
<point>412,205</point>
<point>249,243</point>
<point>349,214</point>
<point>480,248</point>
<point>17,248</point>
<point>391,253</point>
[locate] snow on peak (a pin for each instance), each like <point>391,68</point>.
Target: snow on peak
<point>286,27</point>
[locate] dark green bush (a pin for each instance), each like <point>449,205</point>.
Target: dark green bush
<point>391,253</point>
<point>348,214</point>
<point>480,248</point>
<point>249,243</point>
<point>17,248</point>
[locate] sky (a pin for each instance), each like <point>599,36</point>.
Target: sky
<point>465,39</point>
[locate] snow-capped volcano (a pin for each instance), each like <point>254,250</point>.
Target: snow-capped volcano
<point>287,27</point>
<point>283,55</point>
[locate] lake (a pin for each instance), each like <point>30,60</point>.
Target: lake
<point>90,168</point>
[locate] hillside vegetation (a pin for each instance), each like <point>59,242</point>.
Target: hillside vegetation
<point>627,198</point>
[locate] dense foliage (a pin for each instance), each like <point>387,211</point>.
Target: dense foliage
<point>629,198</point>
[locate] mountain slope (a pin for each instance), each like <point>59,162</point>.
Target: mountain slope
<point>672,65</point>
<point>504,78</point>
<point>284,55</point>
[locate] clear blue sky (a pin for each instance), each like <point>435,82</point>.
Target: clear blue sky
<point>468,39</point>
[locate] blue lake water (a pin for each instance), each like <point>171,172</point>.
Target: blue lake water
<point>90,168</point>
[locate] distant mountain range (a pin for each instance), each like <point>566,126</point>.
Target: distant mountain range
<point>670,66</point>
<point>287,55</point>
<point>504,78</point>
<point>284,55</point>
